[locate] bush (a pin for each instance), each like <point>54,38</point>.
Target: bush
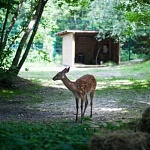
<point>144,123</point>
<point>125,55</point>
<point>120,140</point>
<point>38,56</point>
<point>51,136</point>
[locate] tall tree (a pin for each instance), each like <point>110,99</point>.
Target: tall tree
<point>137,12</point>
<point>119,18</point>
<point>73,14</point>
<point>32,26</point>
<point>108,19</point>
<point>27,31</point>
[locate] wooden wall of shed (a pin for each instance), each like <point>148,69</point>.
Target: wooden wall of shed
<point>68,49</point>
<point>115,51</point>
<point>104,57</point>
<point>85,45</point>
<point>89,46</point>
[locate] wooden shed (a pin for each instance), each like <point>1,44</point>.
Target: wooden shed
<point>81,46</point>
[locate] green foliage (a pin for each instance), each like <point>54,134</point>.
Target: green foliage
<point>136,12</point>
<point>122,20</point>
<point>9,93</point>
<point>72,15</point>
<point>58,59</point>
<point>6,59</point>
<point>108,19</point>
<point>125,55</point>
<point>119,19</point>
<point>140,18</point>
<point>118,125</point>
<point>110,63</point>
<point>38,56</point>
<point>12,3</point>
<point>52,136</point>
<point>6,78</point>
<point>19,27</point>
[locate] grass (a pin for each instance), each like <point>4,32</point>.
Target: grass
<point>137,71</point>
<point>122,83</point>
<point>8,92</point>
<point>26,95</point>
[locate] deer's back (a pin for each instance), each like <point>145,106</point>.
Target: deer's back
<point>86,83</point>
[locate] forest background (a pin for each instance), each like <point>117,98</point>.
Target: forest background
<point>29,27</point>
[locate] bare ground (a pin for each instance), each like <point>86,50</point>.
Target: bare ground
<point>57,103</point>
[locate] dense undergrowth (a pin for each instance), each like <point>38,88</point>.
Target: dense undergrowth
<point>50,136</point>
<point>25,135</point>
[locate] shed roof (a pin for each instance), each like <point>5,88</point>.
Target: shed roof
<point>76,31</point>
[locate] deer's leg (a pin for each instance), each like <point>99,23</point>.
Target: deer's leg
<point>86,104</point>
<point>77,107</point>
<point>91,96</point>
<point>82,100</point>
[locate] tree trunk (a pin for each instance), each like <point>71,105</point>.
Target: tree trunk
<point>33,25</point>
<point>5,38</point>
<point>13,21</point>
<point>31,39</point>
<point>3,30</point>
<point>75,21</point>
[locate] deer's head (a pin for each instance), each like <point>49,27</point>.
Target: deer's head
<point>61,75</point>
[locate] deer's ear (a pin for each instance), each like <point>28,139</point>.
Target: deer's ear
<point>66,70</point>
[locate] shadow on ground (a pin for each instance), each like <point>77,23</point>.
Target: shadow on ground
<point>33,102</point>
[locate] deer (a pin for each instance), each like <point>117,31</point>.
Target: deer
<point>80,88</point>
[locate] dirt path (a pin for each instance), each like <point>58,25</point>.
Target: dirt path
<point>58,103</point>
<point>107,107</point>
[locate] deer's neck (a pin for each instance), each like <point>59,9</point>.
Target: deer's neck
<point>69,84</point>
